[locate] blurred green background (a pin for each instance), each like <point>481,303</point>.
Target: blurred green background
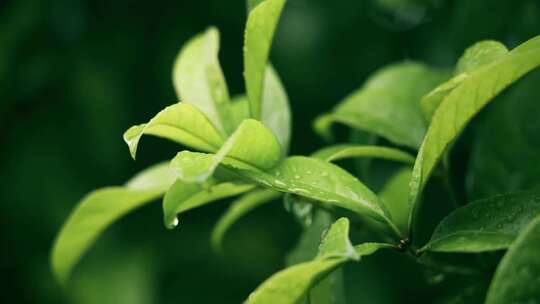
<point>74,74</point>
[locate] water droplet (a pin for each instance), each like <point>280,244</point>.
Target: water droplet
<point>297,176</point>
<point>324,174</point>
<point>174,223</point>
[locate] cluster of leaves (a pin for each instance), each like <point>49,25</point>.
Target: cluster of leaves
<point>240,148</point>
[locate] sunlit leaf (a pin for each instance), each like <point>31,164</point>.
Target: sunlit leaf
<point>99,209</point>
<point>183,196</point>
<point>337,152</point>
<point>388,104</point>
<point>518,275</point>
<point>252,145</point>
<point>320,181</point>
<point>261,25</point>
<point>238,209</point>
<point>463,103</point>
<point>182,123</point>
<point>488,224</point>
<point>290,285</point>
<point>199,81</point>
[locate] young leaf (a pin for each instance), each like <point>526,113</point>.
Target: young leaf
<point>463,103</point>
<point>290,285</point>
<point>276,113</point>
<point>101,208</point>
<point>261,25</point>
<point>479,54</point>
<point>488,224</point>
<point>321,181</point>
<point>388,104</point>
<point>518,275</point>
<point>238,209</point>
<point>184,196</point>
<point>198,79</point>
<point>394,197</point>
<point>182,123</point>
<point>251,4</point>
<point>337,152</point>
<point>252,144</point>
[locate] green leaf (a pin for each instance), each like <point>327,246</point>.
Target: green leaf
<point>463,103</point>
<point>394,196</point>
<point>478,55</point>
<point>99,209</point>
<point>252,144</point>
<point>515,165</point>
<point>261,25</point>
<point>276,113</point>
<point>387,104</point>
<point>321,181</point>
<point>336,243</point>
<point>251,4</point>
<point>184,196</point>
<point>239,208</point>
<point>488,224</point>
<point>343,151</point>
<point>198,79</point>
<point>239,109</point>
<point>182,123</point>
<point>518,275</point>
<point>290,285</point>
<point>330,289</point>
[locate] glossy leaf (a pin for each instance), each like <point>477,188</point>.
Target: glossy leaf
<point>484,225</point>
<point>343,151</point>
<point>479,54</point>
<point>238,209</point>
<point>198,79</point>
<point>463,103</point>
<point>388,104</point>
<point>518,275</point>
<point>252,144</point>
<point>321,181</point>
<point>276,113</point>
<point>99,209</point>
<point>182,123</point>
<point>261,25</point>
<point>184,196</point>
<point>290,285</point>
<point>394,196</point>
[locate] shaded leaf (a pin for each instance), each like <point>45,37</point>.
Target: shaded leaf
<point>239,208</point>
<point>198,79</point>
<point>488,224</point>
<point>394,196</point>
<point>261,25</point>
<point>184,196</point>
<point>518,275</point>
<point>290,285</point>
<point>182,123</point>
<point>515,165</point>
<point>387,104</point>
<point>343,151</point>
<point>99,209</point>
<point>252,145</point>
<point>463,103</point>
